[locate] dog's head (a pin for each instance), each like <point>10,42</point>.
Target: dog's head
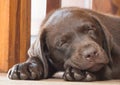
<point>72,37</point>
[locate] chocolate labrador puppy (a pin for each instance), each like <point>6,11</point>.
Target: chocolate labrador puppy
<point>83,43</point>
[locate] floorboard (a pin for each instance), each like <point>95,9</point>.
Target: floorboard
<point>5,81</point>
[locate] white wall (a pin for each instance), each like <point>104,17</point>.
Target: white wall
<point>78,3</point>
<point>38,11</point>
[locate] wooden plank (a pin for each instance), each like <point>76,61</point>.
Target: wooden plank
<point>52,5</point>
<point>14,32</point>
<point>25,16</point>
<point>107,6</point>
<point>102,6</point>
<point>116,6</point>
<point>4,34</point>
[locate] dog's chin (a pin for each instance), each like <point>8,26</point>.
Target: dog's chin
<point>96,67</point>
<point>90,68</point>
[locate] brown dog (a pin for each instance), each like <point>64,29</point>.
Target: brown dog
<point>82,43</point>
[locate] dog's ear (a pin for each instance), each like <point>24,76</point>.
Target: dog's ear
<point>44,51</point>
<point>39,49</point>
<point>107,41</point>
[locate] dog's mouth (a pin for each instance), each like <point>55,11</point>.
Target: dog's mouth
<point>96,67</point>
<point>87,67</point>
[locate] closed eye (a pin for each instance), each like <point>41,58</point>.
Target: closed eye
<point>85,29</point>
<point>60,43</point>
<point>64,40</point>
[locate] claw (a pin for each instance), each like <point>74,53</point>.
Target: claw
<point>72,74</point>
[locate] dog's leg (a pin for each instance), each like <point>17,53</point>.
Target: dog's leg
<point>31,69</point>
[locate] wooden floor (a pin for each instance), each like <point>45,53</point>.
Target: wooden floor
<point>5,81</point>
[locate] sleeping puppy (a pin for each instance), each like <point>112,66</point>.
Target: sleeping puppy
<point>81,42</point>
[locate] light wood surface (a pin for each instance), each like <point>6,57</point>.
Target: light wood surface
<point>5,81</point>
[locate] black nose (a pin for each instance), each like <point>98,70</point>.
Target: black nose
<point>90,53</point>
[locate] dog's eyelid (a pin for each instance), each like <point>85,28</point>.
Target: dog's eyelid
<point>60,44</point>
<point>91,27</point>
<point>87,29</point>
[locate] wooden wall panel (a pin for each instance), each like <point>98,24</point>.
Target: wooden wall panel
<point>4,34</point>
<point>116,6</point>
<point>52,5</point>
<point>25,15</point>
<point>15,32</point>
<point>107,6</point>
<point>102,6</point>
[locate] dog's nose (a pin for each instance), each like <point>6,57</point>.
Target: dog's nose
<point>90,53</point>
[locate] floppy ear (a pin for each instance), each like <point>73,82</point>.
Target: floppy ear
<point>107,41</point>
<point>39,49</point>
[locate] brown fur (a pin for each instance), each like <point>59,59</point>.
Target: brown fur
<point>81,42</point>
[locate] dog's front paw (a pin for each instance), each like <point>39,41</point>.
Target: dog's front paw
<point>27,70</point>
<point>89,77</point>
<point>73,74</point>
